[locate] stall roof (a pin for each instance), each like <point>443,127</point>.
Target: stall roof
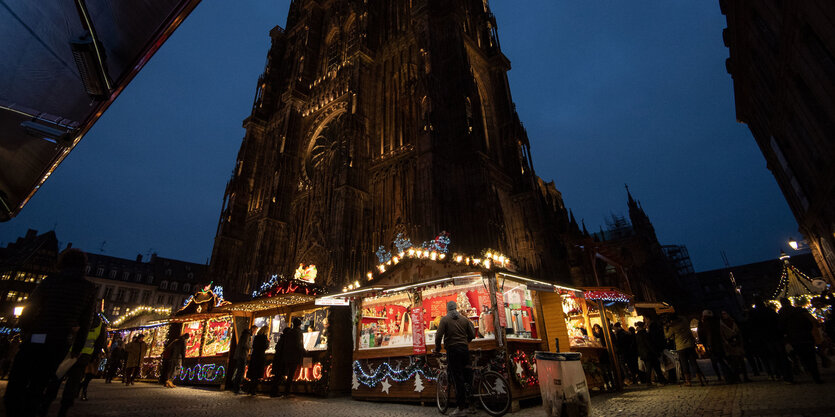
<point>277,301</point>
<point>196,316</point>
<point>64,64</point>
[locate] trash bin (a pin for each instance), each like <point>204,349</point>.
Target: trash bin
<point>563,384</point>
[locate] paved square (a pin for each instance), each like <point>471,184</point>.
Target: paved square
<point>759,398</point>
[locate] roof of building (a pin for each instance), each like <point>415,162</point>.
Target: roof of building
<point>64,66</point>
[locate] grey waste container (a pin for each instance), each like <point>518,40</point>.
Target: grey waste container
<point>563,384</point>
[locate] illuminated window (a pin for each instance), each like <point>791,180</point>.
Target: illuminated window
<point>11,296</point>
<point>117,310</point>
<point>6,276</point>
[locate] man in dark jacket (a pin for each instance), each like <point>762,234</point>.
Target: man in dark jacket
<point>239,358</point>
<point>288,355</point>
<point>456,332</point>
<point>172,358</point>
<point>711,339</point>
<point>648,353</point>
<point>56,320</point>
<point>797,324</point>
<point>96,338</point>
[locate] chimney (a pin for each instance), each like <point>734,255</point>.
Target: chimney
<point>139,257</point>
<point>69,246</point>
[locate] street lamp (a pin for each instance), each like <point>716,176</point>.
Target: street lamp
<point>18,311</point>
<point>793,243</point>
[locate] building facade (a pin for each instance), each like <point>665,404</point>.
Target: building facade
<point>782,60</point>
<point>124,287</point>
<point>373,119</point>
<point>24,263</point>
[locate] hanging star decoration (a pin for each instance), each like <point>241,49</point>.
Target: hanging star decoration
<point>418,383</point>
<point>355,383</point>
<point>386,385</point>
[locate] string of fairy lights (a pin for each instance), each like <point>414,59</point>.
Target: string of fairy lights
<point>385,370</point>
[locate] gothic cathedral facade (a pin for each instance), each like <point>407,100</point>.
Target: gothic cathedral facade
<point>374,118</point>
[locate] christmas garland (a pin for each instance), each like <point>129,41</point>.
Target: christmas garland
<point>384,370</point>
<point>524,369</point>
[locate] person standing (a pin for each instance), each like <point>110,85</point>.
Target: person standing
<point>55,320</point>
<point>765,326</point>
<point>679,330</point>
<point>257,360</point>
<point>133,364</point>
<point>711,337</point>
<point>733,345</point>
<point>288,356</point>
<point>239,359</point>
<point>797,324</point>
<point>115,357</point>
<point>456,332</point>
<point>172,359</point>
<point>96,338</point>
<point>649,354</point>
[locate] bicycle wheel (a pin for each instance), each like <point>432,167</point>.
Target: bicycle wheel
<point>442,392</point>
<point>494,393</point>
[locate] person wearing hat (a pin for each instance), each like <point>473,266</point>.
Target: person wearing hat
<point>136,351</point>
<point>456,331</point>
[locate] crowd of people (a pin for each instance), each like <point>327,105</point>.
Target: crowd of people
<point>63,340</point>
<point>779,343</point>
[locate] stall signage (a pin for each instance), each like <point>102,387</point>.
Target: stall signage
<point>331,302</point>
<point>418,342</point>
<point>502,318</point>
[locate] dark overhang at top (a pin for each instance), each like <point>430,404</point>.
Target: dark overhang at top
<point>63,64</point>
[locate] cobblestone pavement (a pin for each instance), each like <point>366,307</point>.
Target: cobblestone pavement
<point>758,398</point>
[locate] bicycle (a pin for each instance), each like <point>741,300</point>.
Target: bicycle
<point>493,389</point>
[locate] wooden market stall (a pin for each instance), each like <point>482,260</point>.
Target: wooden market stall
<point>396,318</point>
<point>210,333</point>
<point>275,306</point>
<point>597,306</point>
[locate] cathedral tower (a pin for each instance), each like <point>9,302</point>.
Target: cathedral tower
<point>374,118</point>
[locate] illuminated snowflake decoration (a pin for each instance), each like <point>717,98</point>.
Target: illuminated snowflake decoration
<point>402,243</point>
<point>382,254</point>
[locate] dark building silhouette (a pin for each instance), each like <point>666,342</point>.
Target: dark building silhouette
<point>628,255</point>
<point>782,60</point>
<point>378,118</point>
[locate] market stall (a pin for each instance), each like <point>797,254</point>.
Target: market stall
<point>802,290</point>
<point>274,306</point>
<point>156,334</point>
<point>597,307</point>
<point>398,311</point>
<point>210,336</point>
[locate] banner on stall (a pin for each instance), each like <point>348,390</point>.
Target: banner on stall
<point>418,342</point>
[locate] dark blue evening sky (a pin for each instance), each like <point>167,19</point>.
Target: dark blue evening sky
<point>610,93</point>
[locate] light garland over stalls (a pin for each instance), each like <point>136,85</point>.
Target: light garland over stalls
<point>436,250</point>
<point>139,311</point>
<point>384,370</point>
<point>607,296</point>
